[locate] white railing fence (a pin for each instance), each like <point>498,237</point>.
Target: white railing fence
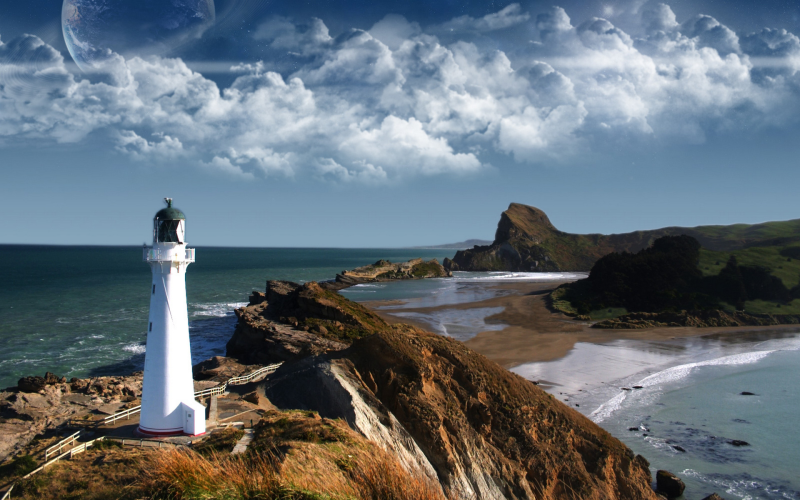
<point>213,391</point>
<point>56,448</point>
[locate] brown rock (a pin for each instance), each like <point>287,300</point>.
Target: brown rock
<point>713,496</point>
<point>220,369</point>
<point>669,484</point>
<point>31,384</point>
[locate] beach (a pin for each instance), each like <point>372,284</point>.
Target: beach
<point>672,394</point>
<point>530,332</point>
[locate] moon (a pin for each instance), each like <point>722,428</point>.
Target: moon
<point>94,29</point>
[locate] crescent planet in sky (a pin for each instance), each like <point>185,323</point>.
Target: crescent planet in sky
<point>93,29</point>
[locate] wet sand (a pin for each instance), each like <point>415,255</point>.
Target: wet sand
<point>535,334</point>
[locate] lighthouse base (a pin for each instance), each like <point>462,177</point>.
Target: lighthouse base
<point>194,422</point>
<point>157,434</point>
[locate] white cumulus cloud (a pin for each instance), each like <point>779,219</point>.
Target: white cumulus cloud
<point>397,101</point>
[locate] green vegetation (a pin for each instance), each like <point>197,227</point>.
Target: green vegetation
<point>766,307</point>
<point>774,258</point>
<point>18,467</point>
<point>601,314</point>
<point>220,441</point>
<point>427,269</point>
<point>667,277</point>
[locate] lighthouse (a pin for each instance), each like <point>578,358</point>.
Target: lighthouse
<point>168,404</point>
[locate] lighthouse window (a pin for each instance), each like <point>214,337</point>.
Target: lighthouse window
<point>151,327</point>
<point>169,231</point>
<point>154,289</point>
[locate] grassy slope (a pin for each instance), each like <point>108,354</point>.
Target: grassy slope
<point>787,269</point>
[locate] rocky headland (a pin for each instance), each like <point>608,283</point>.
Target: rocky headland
<point>526,240</point>
<point>384,270</point>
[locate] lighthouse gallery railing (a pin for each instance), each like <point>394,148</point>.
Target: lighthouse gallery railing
<point>151,254</point>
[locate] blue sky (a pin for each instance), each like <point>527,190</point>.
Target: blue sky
<point>384,124</point>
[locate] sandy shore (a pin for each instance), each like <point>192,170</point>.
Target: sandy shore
<point>534,334</point>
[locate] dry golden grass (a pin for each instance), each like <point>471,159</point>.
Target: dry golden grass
<point>308,471</point>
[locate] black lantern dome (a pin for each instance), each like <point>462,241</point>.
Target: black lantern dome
<point>169,225</point>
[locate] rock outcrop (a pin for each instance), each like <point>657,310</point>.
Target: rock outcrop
<point>669,484</point>
<point>291,321</point>
<point>447,411</point>
<point>220,369</point>
<point>384,270</point>
<point>526,241</point>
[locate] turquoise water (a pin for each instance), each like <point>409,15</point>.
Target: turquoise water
<point>691,400</point>
<point>80,311</point>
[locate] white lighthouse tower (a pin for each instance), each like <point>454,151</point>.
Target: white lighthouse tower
<point>168,404</point>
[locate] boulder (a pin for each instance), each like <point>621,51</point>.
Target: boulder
<point>219,369</point>
<point>669,484</point>
<point>31,384</point>
<point>450,265</point>
<point>713,496</point>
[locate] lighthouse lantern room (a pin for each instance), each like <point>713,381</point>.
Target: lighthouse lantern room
<point>168,404</point>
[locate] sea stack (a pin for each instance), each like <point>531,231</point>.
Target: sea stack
<point>168,404</point>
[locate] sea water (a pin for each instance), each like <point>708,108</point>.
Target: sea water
<point>437,296</point>
<point>82,311</point>
<point>690,412</point>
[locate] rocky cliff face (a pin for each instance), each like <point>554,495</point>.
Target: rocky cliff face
<point>442,409</point>
<point>526,241</point>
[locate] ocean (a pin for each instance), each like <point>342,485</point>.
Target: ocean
<point>82,311</point>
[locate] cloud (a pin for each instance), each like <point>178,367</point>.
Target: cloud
<point>708,32</point>
<point>509,16</point>
<point>398,102</point>
<point>393,30</point>
<point>658,17</point>
<point>553,22</point>
<point>304,39</point>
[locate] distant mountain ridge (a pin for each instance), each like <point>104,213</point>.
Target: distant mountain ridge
<point>526,240</point>
<point>461,245</point>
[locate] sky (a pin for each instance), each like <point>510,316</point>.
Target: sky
<point>326,123</point>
